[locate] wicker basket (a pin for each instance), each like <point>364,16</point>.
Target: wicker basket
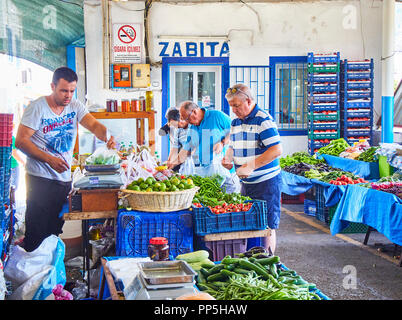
<point>160,201</point>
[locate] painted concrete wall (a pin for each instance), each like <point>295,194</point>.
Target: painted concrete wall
<point>255,32</point>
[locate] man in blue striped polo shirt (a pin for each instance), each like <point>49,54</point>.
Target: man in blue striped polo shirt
<point>255,148</point>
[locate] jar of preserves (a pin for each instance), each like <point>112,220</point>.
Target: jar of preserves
<point>158,249</point>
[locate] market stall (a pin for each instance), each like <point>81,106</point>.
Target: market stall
<point>344,200</point>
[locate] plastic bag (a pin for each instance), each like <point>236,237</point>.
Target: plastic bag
<point>35,274</point>
<point>103,156</point>
<point>188,167</point>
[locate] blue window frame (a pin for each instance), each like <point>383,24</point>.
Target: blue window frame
<point>167,63</point>
<point>288,94</point>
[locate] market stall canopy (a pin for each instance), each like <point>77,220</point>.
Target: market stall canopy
<point>40,30</point>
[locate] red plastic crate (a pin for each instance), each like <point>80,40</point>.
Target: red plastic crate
<point>287,199</point>
<point>222,248</point>
<point>6,129</point>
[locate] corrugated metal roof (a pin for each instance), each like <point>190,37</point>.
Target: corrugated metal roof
<point>40,30</point>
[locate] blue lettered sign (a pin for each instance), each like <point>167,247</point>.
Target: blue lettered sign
<point>193,49</point>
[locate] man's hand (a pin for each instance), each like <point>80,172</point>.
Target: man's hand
<point>244,171</point>
<point>111,143</point>
<point>218,147</point>
<point>58,164</point>
<point>226,163</point>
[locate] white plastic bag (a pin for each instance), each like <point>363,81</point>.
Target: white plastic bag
<point>103,155</point>
<point>188,167</point>
<point>33,275</point>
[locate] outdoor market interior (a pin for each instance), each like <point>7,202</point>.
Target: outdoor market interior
<point>136,225</point>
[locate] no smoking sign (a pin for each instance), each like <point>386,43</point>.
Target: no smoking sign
<point>126,34</point>
<point>127,44</point>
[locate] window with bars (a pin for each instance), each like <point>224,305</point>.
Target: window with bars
<point>280,88</point>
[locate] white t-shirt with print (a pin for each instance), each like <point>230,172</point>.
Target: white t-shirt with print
<point>54,134</point>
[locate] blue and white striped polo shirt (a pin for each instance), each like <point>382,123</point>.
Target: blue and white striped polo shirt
<point>250,138</point>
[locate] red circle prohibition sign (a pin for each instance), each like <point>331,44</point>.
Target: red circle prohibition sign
<point>126,34</point>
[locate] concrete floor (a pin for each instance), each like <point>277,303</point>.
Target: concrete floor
<point>341,266</point>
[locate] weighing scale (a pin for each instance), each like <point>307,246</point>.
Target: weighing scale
<point>162,280</point>
<point>100,177</point>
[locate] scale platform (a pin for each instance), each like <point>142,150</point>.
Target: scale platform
<point>162,280</point>
<point>100,177</point>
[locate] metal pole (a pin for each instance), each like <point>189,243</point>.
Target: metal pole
<point>387,101</point>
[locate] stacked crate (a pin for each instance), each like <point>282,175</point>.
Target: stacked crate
<point>6,212</point>
<point>357,92</point>
<point>323,99</point>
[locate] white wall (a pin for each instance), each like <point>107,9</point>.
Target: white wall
<point>255,32</point>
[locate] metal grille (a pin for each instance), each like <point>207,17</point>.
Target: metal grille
<point>291,96</point>
<point>257,79</point>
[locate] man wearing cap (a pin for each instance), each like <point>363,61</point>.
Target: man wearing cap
<point>255,148</point>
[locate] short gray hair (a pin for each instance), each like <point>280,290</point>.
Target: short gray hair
<point>189,105</point>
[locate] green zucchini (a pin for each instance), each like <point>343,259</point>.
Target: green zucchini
<point>227,273</point>
<point>204,272</point>
<point>229,260</point>
<point>241,271</point>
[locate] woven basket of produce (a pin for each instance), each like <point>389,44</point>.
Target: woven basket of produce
<point>154,201</point>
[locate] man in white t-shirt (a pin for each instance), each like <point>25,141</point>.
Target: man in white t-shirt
<point>47,135</point>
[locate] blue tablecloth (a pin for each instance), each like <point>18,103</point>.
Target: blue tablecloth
<point>366,170</point>
<point>377,209</point>
<point>294,185</point>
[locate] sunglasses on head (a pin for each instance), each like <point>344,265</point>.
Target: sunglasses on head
<point>236,90</point>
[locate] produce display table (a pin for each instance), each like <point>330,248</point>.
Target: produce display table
<point>236,235</point>
<point>110,288</point>
<point>377,209</point>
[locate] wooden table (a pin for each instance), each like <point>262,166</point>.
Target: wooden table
<point>237,235</point>
<point>108,277</point>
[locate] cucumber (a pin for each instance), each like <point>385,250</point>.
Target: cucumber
<point>251,266</point>
<point>204,272</point>
<point>216,277</point>
<point>229,260</point>
<point>242,271</point>
<point>227,273</point>
<point>229,267</point>
<point>216,268</point>
<point>273,271</point>
<point>271,260</point>
<point>202,286</point>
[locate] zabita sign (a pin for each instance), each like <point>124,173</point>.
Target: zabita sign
<point>127,43</point>
<point>193,49</point>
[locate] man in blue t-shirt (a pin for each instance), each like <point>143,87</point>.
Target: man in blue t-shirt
<point>207,136</point>
<point>255,148</point>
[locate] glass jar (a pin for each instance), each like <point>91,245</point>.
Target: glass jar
<point>158,249</point>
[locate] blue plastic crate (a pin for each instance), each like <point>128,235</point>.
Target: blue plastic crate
<point>323,77</point>
<point>355,124</point>
<point>330,125</point>
<point>357,114</point>
<point>310,207</point>
<point>323,97</point>
<point>207,222</point>
<point>322,87</point>
<point>321,209</point>
<point>359,84</point>
<point>323,106</point>
<point>323,58</point>
<point>136,228</point>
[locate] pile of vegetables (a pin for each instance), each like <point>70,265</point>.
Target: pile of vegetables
<point>335,147</point>
<point>226,208</point>
<point>369,155</point>
<point>150,184</point>
<point>298,157</point>
<point>257,277</point>
<point>344,180</point>
<point>211,195</point>
<point>334,175</point>
<point>391,184</point>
